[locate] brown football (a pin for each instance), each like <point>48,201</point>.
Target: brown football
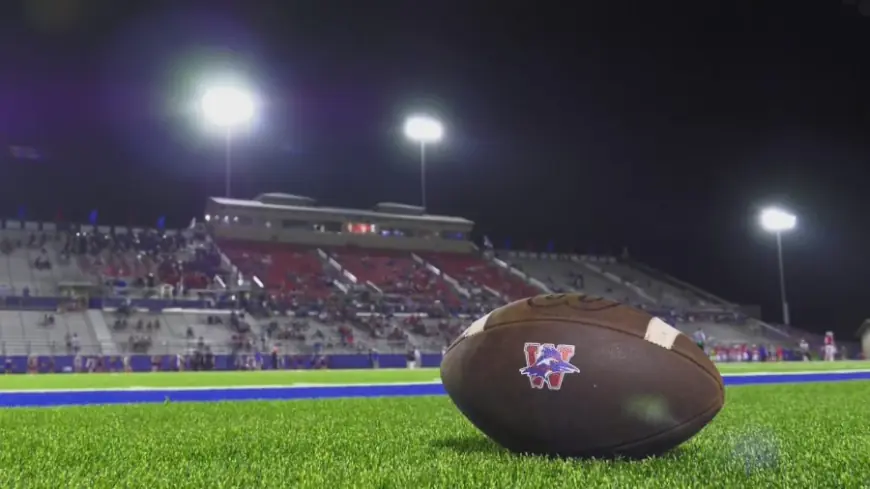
<point>579,376</point>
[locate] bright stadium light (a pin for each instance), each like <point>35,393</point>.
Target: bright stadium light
<point>229,108</point>
<point>424,130</point>
<point>777,221</point>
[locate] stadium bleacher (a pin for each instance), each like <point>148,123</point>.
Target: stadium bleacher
<point>396,273</point>
<point>572,274</point>
<point>118,291</point>
<point>480,275</point>
<point>295,270</point>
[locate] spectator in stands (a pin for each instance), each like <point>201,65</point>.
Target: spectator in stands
<point>700,338</point>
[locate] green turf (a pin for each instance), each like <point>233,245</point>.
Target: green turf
<point>290,377</point>
<point>783,436</point>
<point>215,379</point>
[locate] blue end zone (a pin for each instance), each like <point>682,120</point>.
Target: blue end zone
<point>137,396</point>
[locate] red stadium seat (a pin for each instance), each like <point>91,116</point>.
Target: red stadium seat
<point>395,272</point>
<point>473,271</point>
<point>291,268</point>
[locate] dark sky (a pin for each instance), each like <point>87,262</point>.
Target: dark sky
<point>662,126</point>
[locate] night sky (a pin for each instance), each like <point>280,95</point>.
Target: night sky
<point>659,126</point>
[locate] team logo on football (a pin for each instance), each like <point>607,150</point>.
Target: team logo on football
<point>547,364</point>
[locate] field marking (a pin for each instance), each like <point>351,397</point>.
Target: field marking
<point>795,372</point>
<point>212,387</point>
<point>304,385</point>
<point>154,395</point>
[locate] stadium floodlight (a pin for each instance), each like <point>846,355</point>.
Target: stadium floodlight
<point>777,221</point>
<point>228,108</point>
<point>424,130</point>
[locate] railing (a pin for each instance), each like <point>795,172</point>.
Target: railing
<point>10,348</point>
<point>41,347</point>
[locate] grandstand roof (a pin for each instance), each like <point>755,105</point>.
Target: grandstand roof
<point>254,204</point>
<point>285,199</point>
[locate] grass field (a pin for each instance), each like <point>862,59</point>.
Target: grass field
<point>788,436</point>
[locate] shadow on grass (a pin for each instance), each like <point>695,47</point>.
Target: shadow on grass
<point>468,445</point>
<point>481,445</point>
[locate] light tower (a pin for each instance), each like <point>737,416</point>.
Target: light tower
<point>777,221</point>
<point>424,130</point>
<point>229,108</point>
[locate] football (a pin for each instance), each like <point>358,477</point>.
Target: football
<point>578,376</point>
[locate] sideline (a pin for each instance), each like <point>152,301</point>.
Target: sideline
<point>137,395</point>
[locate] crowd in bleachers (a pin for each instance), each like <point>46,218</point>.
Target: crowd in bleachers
<point>347,297</point>
<point>370,296</point>
<point>146,259</point>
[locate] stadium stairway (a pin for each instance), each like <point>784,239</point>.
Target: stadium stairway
<point>562,273</point>
<point>102,334</point>
<point>393,272</point>
<point>469,272</point>
<point>635,292</point>
<point>12,334</point>
<point>20,274</point>
<point>280,266</point>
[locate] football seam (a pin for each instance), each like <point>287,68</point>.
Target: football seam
<point>487,328</point>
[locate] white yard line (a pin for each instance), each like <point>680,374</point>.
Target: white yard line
<point>209,388</point>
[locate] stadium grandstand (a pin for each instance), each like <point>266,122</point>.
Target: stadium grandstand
<point>287,281</point>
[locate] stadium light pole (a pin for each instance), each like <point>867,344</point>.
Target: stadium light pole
<point>229,108</point>
<point>424,130</point>
<point>778,221</point>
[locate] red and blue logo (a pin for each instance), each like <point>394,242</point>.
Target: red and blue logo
<point>547,364</point>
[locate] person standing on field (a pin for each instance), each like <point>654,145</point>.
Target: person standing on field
<point>830,347</point>
<point>805,350</point>
<point>411,360</point>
